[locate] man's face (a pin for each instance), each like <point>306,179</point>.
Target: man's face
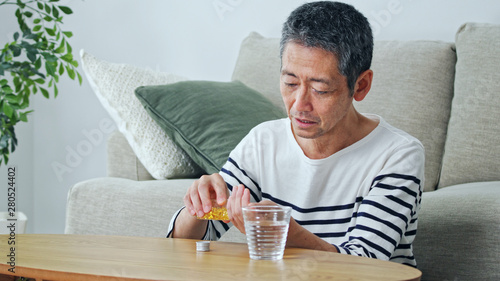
<point>316,95</point>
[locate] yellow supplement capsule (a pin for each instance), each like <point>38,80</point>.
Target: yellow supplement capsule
<point>216,213</point>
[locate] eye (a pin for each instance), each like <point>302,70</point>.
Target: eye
<point>320,92</point>
<point>289,84</point>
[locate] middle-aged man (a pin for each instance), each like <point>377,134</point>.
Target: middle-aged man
<point>354,182</point>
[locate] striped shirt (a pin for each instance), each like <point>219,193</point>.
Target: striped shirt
<point>364,199</point>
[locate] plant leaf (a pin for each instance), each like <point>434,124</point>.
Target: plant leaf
<point>79,78</point>
<point>8,110</point>
<point>49,57</point>
<point>68,46</point>
<point>71,73</point>
<point>61,49</point>
<point>66,10</point>
<point>17,83</point>
<point>68,34</point>
<point>31,56</point>
<point>26,101</point>
<point>38,63</point>
<point>7,89</point>
<point>4,141</point>
<point>67,57</point>
<point>50,31</point>
<point>55,11</point>
<point>47,8</point>
<point>23,117</point>
<point>16,50</point>
<point>51,70</point>
<point>33,36</point>
<point>45,93</point>
<point>13,99</point>
<point>56,91</point>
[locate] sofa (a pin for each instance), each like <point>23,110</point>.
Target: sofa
<point>443,93</point>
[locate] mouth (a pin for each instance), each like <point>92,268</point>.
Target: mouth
<point>305,122</point>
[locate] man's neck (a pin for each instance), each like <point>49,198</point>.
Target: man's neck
<point>355,128</point>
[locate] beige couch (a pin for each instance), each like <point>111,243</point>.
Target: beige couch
<point>445,94</point>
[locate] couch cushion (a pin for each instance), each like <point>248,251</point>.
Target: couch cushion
<point>457,237</point>
<point>472,150</point>
<point>122,161</point>
<point>412,89</point>
<point>258,66</point>
<point>207,119</point>
<point>114,85</point>
<point>115,206</point>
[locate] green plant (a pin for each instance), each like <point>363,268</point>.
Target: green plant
<point>39,55</point>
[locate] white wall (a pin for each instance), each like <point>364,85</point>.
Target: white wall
<point>195,38</point>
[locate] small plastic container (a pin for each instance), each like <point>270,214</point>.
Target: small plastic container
<point>203,246</point>
<point>218,212</point>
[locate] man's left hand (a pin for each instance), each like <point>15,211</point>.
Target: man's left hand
<point>240,197</point>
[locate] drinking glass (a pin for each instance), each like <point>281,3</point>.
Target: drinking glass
<point>266,230</point>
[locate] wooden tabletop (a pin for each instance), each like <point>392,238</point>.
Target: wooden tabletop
<point>82,257</point>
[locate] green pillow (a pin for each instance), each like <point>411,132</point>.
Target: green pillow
<point>207,119</point>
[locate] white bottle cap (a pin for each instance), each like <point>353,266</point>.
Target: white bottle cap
<point>203,246</point>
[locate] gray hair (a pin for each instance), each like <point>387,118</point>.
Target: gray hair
<point>337,28</point>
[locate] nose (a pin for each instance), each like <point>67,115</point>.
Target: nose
<point>302,100</point>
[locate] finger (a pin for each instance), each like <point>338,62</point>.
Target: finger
<point>231,201</point>
<point>189,204</point>
<point>237,198</point>
<point>204,188</point>
<point>229,206</point>
<point>245,199</point>
<point>220,188</point>
<point>191,200</point>
<point>237,214</point>
<point>196,201</point>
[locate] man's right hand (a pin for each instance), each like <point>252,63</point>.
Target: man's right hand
<point>198,202</point>
<point>198,199</point>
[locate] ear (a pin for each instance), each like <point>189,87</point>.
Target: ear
<point>363,85</point>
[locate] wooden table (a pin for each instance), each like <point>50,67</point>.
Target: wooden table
<point>80,257</point>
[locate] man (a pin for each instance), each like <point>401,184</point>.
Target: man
<point>354,182</point>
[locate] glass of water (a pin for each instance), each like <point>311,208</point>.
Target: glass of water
<point>266,229</point>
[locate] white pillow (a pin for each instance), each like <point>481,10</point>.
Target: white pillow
<point>114,84</point>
